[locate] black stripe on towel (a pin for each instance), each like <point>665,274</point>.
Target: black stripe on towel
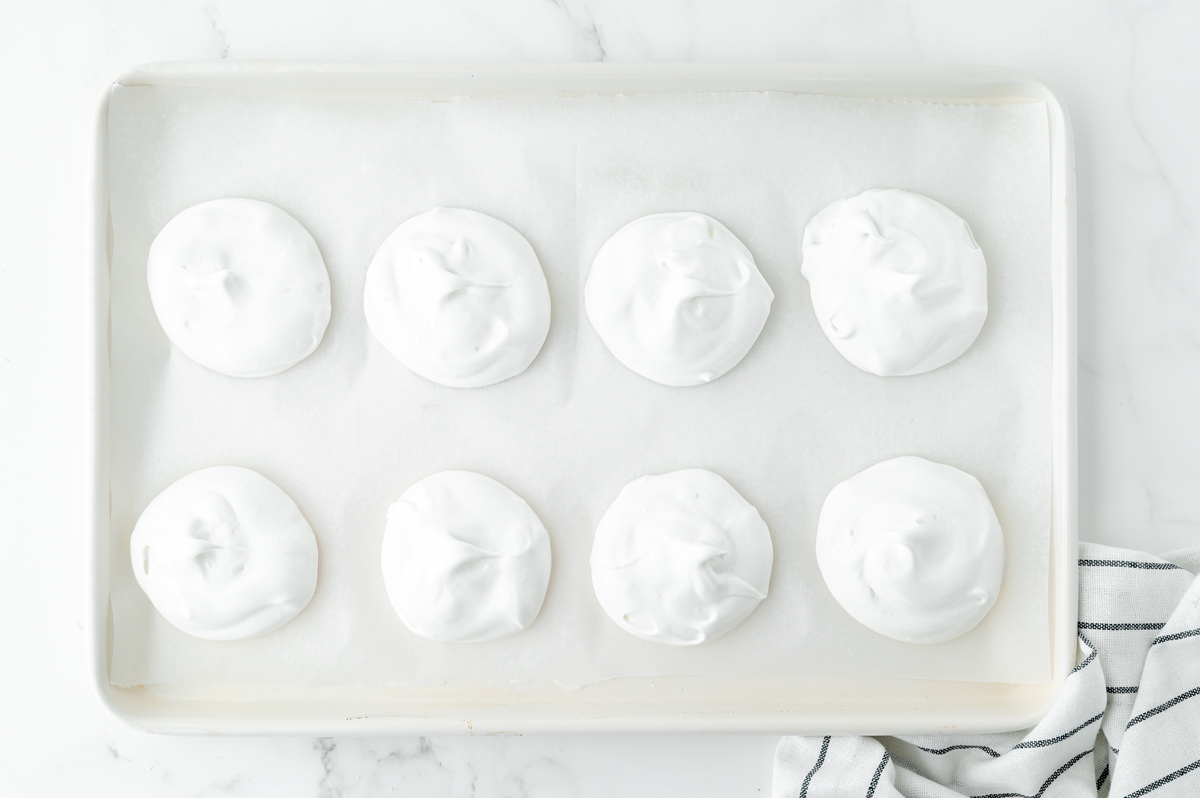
<point>1045,785</point>
<point>878,772</point>
<point>1086,660</point>
<point>1176,636</point>
<point>1149,713</point>
<point>1154,785</point>
<point>939,751</point>
<point>1149,566</point>
<point>1120,627</point>
<point>815,768</point>
<point>1060,738</point>
<point>1122,690</point>
<point>1103,778</point>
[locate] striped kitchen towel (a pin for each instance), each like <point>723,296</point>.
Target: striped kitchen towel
<point>1127,723</point>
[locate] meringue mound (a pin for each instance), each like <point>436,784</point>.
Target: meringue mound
<point>458,297</point>
<point>680,558</point>
<point>239,286</point>
<point>677,298</point>
<point>898,284</point>
<point>912,549</point>
<point>464,559</point>
<point>225,554</point>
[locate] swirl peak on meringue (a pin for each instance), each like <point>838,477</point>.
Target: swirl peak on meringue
<point>677,298</point>
<point>912,549</point>
<point>225,554</point>
<point>239,286</point>
<point>898,284</point>
<point>465,559</point>
<point>458,297</point>
<point>680,558</point>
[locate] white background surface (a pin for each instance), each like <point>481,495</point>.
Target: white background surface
<point>1130,75</point>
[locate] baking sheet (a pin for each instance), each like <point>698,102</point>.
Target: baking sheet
<point>348,429</point>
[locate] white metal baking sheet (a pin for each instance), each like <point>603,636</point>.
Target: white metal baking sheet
<point>348,429</point>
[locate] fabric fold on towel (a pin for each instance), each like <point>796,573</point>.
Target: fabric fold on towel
<point>1126,724</point>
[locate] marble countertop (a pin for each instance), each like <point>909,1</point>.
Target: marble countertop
<point>1128,70</point>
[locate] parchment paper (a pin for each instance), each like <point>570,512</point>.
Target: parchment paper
<point>348,429</point>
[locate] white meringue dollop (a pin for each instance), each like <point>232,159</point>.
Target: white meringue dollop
<point>465,559</point>
<point>458,297</point>
<point>239,286</point>
<point>680,558</point>
<point>677,298</point>
<point>225,554</point>
<point>898,283</point>
<point>912,549</point>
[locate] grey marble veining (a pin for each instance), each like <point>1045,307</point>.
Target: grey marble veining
<point>1128,70</point>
